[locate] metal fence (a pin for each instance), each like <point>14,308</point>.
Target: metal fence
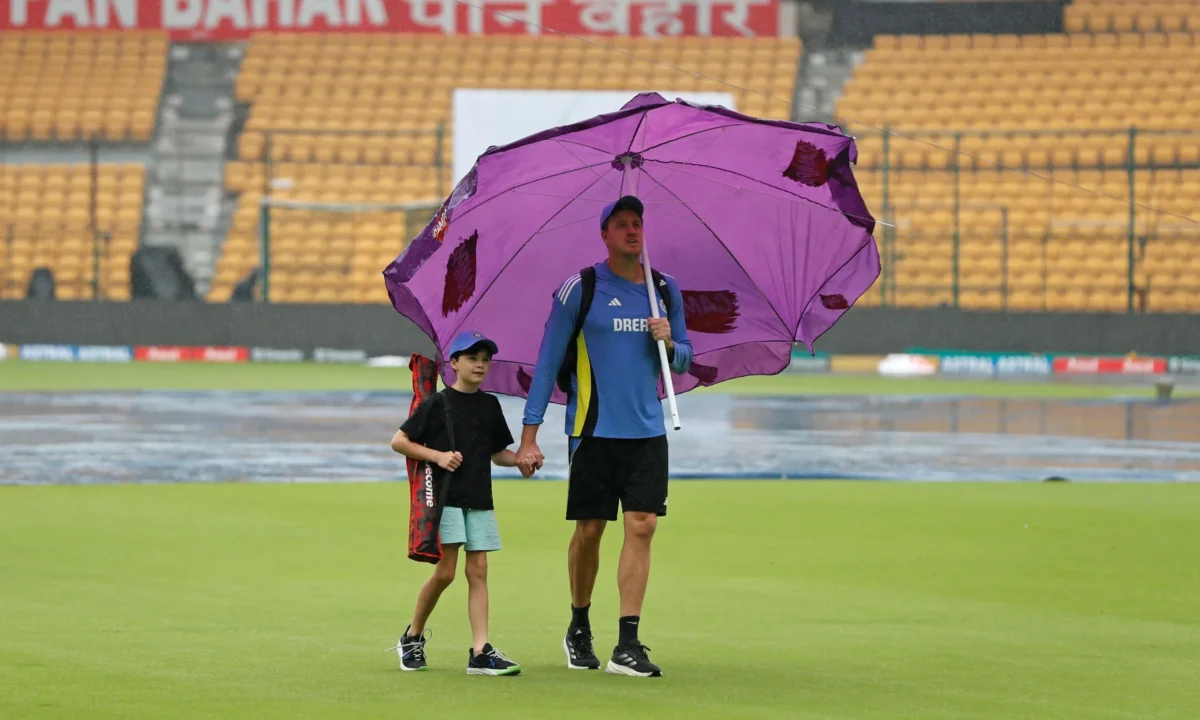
<point>1034,219</point>
<point>326,210</point>
<point>57,214</point>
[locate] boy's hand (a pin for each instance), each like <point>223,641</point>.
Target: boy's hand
<point>526,469</point>
<point>450,461</point>
<point>529,458</point>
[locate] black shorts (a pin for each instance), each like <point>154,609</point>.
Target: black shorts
<point>605,471</point>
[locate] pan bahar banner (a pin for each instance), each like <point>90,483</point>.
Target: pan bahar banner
<point>232,20</point>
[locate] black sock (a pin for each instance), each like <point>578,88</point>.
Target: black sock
<point>628,628</point>
<point>579,617</point>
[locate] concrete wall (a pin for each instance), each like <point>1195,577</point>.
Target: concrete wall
<point>378,329</point>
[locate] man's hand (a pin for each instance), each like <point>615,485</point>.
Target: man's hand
<point>660,329</point>
<point>449,461</point>
<point>529,458</point>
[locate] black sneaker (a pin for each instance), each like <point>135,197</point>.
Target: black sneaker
<point>578,646</point>
<point>632,660</point>
<point>490,662</point>
<point>411,650</point>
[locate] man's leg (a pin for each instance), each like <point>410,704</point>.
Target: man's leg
<point>590,504</point>
<point>644,500</point>
<point>633,572</point>
<point>583,560</point>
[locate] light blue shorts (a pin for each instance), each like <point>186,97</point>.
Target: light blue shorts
<point>476,529</point>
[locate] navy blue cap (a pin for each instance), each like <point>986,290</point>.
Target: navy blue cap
<point>469,340</point>
<point>628,202</point>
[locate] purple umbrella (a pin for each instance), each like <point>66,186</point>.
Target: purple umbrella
<point>760,222</point>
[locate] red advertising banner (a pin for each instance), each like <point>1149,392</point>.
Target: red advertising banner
<point>177,353</point>
<point>1110,365</point>
<point>219,20</point>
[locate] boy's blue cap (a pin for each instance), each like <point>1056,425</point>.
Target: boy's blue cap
<point>628,202</point>
<point>468,340</point>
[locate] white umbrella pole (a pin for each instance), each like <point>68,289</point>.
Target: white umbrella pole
<point>662,346</point>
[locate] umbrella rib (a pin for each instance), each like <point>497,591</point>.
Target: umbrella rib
<point>722,244</point>
<point>514,256</point>
<point>589,167</point>
<point>818,291</point>
<point>518,186</point>
<point>636,129</point>
<point>766,184</point>
<point>699,150</point>
<point>685,137</point>
<point>576,142</point>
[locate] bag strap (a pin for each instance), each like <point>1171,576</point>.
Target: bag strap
<point>587,283</point>
<point>660,287</point>
<point>444,398</point>
<point>587,286</point>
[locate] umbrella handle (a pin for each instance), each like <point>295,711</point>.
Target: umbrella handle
<point>662,346</point>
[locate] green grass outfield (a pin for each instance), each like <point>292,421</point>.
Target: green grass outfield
<point>767,600</point>
<point>309,376</point>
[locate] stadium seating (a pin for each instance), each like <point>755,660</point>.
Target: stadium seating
<point>1122,16</point>
<point>1022,110</point>
<point>329,115</point>
<point>46,221</point>
<point>72,86</point>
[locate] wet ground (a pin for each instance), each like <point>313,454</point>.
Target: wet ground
<point>133,437</point>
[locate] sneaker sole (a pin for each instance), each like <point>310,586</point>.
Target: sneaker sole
<point>615,669</point>
<point>573,666</point>
<point>489,671</point>
<point>405,668</point>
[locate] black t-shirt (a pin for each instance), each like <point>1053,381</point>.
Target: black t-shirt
<point>479,432</point>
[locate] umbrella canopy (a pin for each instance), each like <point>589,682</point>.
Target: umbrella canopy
<point>760,223</point>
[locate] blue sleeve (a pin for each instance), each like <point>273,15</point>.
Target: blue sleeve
<point>681,360</point>
<point>564,308</point>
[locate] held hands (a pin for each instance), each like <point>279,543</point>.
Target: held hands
<point>660,329</point>
<point>449,460</point>
<point>529,459</point>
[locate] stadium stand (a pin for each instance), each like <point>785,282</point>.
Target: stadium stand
<point>1059,106</point>
<point>62,88</point>
<point>45,219</point>
<point>1147,16</point>
<point>72,86</point>
<point>327,114</point>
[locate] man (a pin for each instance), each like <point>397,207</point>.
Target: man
<point>616,433</point>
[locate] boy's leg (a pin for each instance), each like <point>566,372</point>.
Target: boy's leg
<point>443,575</point>
<point>452,533</point>
<point>477,597</point>
<point>483,536</point>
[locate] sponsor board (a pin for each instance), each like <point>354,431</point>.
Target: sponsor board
<point>904,365</point>
<point>48,353</point>
<point>333,355</point>
<point>993,364</point>
<point>182,353</point>
<point>856,364</point>
<point>75,353</point>
<point>104,353</point>
<point>1183,365</point>
<point>225,20</point>
<point>5,353</point>
<point>1093,365</point>
<point>276,355</point>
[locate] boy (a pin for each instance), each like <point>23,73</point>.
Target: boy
<point>469,518</point>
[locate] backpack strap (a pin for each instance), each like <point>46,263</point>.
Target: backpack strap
<point>587,285</point>
<point>660,286</point>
